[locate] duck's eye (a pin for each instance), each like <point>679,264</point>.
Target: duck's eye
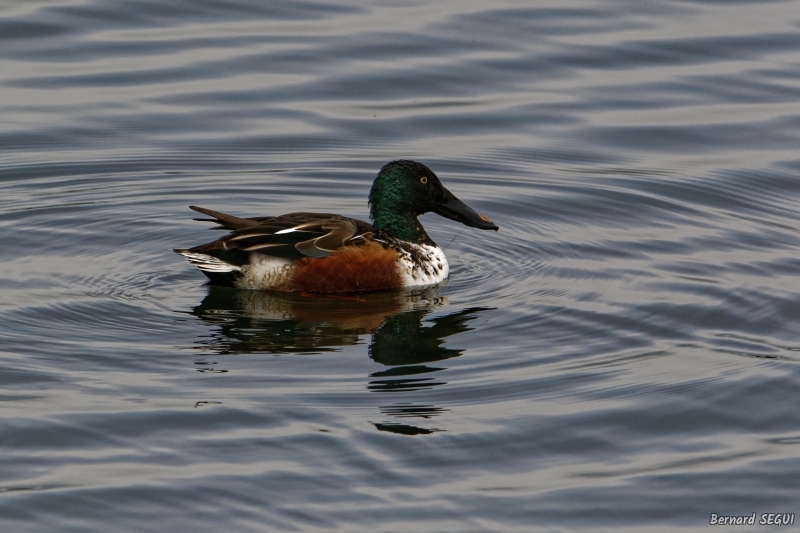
<point>423,180</point>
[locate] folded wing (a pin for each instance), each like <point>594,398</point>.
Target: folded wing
<point>291,236</point>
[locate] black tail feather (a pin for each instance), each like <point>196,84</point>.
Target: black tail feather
<point>225,221</point>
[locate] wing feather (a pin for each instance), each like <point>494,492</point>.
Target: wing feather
<point>290,236</point>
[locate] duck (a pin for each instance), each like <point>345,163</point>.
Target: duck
<point>322,253</point>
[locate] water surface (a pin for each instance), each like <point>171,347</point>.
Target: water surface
<point>622,355</point>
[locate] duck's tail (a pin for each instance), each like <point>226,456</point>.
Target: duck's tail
<point>224,221</point>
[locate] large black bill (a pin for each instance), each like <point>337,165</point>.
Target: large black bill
<point>455,209</point>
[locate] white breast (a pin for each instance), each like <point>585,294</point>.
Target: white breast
<point>423,265</point>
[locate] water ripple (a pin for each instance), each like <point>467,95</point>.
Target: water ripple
<point>629,334</point>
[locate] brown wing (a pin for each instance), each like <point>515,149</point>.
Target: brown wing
<point>291,236</point>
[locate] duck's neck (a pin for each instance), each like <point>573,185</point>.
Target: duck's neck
<point>403,226</point>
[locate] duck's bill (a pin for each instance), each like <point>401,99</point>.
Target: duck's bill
<point>455,209</point>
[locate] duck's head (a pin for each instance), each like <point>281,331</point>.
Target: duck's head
<point>406,189</point>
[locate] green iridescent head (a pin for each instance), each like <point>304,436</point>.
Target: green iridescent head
<point>406,189</point>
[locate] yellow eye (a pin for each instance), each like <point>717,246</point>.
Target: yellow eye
<point>423,180</point>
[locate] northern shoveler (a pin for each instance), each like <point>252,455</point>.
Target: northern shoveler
<point>324,253</point>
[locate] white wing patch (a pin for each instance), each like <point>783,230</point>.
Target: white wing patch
<point>208,263</point>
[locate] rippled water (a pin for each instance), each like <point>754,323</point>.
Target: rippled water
<point>623,354</point>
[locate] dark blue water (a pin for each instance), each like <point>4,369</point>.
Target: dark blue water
<point>622,355</point>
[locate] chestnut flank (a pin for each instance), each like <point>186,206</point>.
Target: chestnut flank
<point>350,269</point>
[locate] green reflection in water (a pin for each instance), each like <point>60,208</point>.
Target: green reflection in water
<point>247,322</point>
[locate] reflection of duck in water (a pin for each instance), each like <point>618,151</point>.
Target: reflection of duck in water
<point>275,322</point>
<point>405,344</point>
<point>324,253</point>
<point>402,338</point>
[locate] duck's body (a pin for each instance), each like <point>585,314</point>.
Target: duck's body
<point>314,252</point>
<point>324,253</point>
